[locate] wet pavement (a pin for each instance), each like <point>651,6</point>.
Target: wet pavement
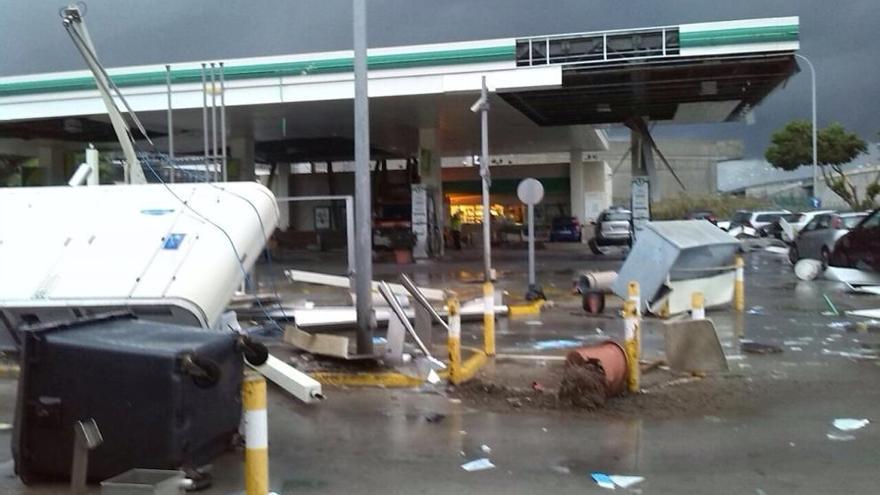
<point>770,437</point>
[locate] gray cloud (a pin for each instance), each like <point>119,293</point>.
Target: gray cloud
<point>839,38</point>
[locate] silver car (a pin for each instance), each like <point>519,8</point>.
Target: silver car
<point>816,240</point>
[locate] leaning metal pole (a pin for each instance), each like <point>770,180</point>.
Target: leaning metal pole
<point>484,173</point>
<point>362,191</point>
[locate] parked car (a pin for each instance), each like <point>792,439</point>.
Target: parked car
<point>860,247</point>
<point>798,222</point>
<point>612,228</point>
<point>747,222</point>
<point>702,215</point>
<point>566,229</point>
<point>816,240</point>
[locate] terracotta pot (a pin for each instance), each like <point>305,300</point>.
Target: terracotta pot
<point>403,256</point>
<point>611,356</point>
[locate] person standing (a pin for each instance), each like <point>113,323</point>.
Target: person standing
<point>455,226</point>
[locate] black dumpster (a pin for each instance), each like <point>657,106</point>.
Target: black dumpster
<point>164,396</point>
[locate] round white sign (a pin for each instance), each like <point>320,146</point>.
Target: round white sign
<point>530,191</point>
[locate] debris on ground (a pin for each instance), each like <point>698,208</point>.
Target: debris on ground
<point>850,424</point>
<point>545,345</point>
<point>435,418</point>
<point>831,305</point>
<point>486,449</point>
<point>751,347</point>
<point>478,465</point>
<point>583,386</point>
<point>756,310</point>
<point>613,481</point>
<point>840,437</point>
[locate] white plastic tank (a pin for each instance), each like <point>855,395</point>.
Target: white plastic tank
<point>173,252</point>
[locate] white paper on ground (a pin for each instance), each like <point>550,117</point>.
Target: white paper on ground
<point>840,437</point>
<point>603,480</point>
<point>478,465</point>
<point>626,481</point>
<point>850,424</point>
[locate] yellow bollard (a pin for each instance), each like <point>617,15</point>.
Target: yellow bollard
<point>489,318</point>
<point>739,286</point>
<point>698,306</point>
<point>632,345</point>
<point>256,431</point>
<point>454,339</point>
<point>635,295</point>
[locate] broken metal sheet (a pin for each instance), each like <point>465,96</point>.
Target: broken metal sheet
<point>852,276</point>
<point>478,465</point>
<point>866,289</point>
<point>346,283</point>
<point>865,313</point>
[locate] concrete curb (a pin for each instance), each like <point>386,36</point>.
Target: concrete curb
<point>391,379</point>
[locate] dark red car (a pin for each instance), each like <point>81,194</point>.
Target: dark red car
<point>860,248</point>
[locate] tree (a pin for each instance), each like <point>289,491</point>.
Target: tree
<point>792,147</point>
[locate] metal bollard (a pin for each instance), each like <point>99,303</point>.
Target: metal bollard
<point>739,286</point>
<point>489,318</point>
<point>635,295</point>
<point>698,306</point>
<point>454,339</point>
<point>256,430</point>
<point>632,345</point>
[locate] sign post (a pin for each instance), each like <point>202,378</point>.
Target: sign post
<point>640,204</point>
<point>531,192</point>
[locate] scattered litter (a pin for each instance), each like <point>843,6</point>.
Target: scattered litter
<point>792,342</point>
<point>534,323</point>
<point>626,481</point>
<point>756,310</point>
<point>537,387</point>
<point>544,430</point>
<point>433,378</point>
<point>544,345</point>
<point>735,357</point>
<point>486,449</point>
<point>826,313</point>
<point>478,465</point>
<point>616,480</point>
<point>435,418</point>
<point>795,348</point>
<point>831,305</point>
<point>379,341</point>
<point>751,347</point>
<point>603,480</point>
<point>850,424</point>
<point>561,469</point>
<point>455,401</point>
<point>840,437</point>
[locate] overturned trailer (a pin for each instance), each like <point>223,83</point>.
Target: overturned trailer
<point>672,260</point>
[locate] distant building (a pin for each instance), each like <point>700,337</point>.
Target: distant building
<point>793,189</point>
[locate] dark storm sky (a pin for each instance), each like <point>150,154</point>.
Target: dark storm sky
<point>841,38</point>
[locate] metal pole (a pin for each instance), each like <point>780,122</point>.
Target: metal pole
<point>205,118</point>
<point>531,209</point>
<point>170,122</point>
<point>363,195</point>
<point>349,234</point>
<point>484,172</point>
<point>815,125</point>
<point>214,170</point>
<point>223,121</point>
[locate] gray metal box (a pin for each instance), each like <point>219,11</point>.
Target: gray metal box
<point>144,482</point>
<point>679,250</point>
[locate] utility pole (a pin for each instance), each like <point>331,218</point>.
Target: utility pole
<point>363,275</point>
